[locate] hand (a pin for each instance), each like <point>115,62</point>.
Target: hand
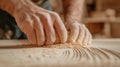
<point>73,12</point>
<point>41,26</point>
<point>78,34</point>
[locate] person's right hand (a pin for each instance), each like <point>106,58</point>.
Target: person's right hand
<point>41,26</point>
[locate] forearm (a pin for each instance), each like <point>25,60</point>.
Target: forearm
<point>8,5</point>
<point>73,9</point>
<point>14,6</point>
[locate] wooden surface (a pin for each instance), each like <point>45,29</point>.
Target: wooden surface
<point>102,53</point>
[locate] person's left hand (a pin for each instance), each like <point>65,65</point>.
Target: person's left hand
<point>78,33</point>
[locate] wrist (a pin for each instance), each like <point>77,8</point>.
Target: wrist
<point>73,10</point>
<point>72,18</point>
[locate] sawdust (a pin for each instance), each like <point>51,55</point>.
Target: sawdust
<point>61,55</point>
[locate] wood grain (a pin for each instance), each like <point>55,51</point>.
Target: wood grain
<point>100,54</point>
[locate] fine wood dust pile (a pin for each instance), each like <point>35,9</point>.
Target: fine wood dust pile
<point>59,56</point>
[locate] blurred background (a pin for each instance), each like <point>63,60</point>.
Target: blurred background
<point>102,18</point>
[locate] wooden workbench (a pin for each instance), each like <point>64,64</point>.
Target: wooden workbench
<point>102,53</point>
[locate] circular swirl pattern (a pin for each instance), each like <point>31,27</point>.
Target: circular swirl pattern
<point>59,56</point>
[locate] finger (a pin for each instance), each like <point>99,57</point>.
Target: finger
<point>60,29</point>
<point>74,32</point>
<point>81,35</point>
<point>28,29</point>
<point>86,37</point>
<point>90,36</point>
<point>57,38</point>
<point>90,39</point>
<point>38,27</point>
<point>31,37</point>
<point>49,30</point>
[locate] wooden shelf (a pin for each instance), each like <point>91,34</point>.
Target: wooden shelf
<point>102,20</point>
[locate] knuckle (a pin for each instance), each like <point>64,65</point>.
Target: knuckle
<point>41,42</point>
<point>83,25</point>
<point>52,39</point>
<point>25,25</point>
<point>55,14</point>
<point>35,18</point>
<point>45,15</point>
<point>64,40</point>
<point>28,23</point>
<point>79,41</point>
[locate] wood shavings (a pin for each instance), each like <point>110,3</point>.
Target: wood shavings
<point>59,56</point>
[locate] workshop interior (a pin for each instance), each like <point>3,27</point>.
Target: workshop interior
<point>101,17</point>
